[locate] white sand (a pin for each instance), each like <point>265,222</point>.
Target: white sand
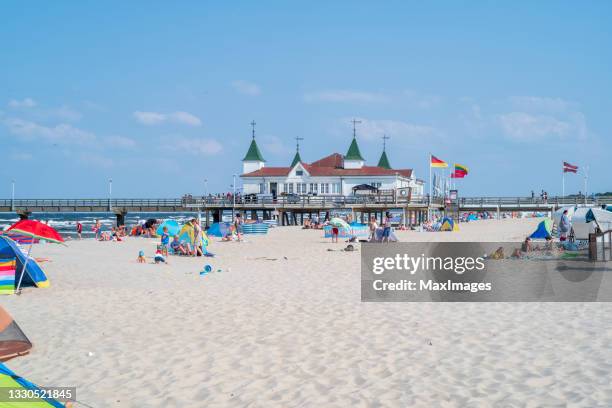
<point>292,332</point>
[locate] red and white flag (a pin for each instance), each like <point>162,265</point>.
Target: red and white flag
<point>569,168</point>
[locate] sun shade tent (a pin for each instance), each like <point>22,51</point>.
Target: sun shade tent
<point>449,225</point>
<point>13,342</point>
<point>172,225</point>
<point>8,379</point>
<point>33,275</point>
<point>585,220</point>
<point>543,230</point>
<point>472,217</point>
<point>219,229</point>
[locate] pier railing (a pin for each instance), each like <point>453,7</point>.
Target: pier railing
<point>295,201</point>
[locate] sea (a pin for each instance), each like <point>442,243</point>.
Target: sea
<point>65,223</point>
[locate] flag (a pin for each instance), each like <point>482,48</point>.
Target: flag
<point>435,162</point>
<point>460,171</point>
<point>569,168</point>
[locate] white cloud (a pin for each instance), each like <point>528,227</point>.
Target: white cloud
<point>275,146</point>
<point>541,104</point>
<point>121,142</point>
<point>95,160</point>
<point>522,126</point>
<point>66,113</point>
<point>375,129</point>
<point>149,118</point>
<point>246,87</point>
<point>423,101</point>
<point>340,95</point>
<point>156,118</point>
<point>193,146</point>
<point>24,103</point>
<point>21,156</point>
<point>62,133</point>
<point>185,118</point>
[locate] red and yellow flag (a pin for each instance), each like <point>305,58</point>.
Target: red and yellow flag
<point>435,162</point>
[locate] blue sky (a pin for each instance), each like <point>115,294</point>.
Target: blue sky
<point>159,96</point>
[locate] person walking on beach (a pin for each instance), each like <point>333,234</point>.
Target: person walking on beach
<point>564,226</point>
<point>238,226</point>
<point>373,227</point>
<point>97,229</point>
<point>79,229</point>
<point>197,237</point>
<point>386,227</point>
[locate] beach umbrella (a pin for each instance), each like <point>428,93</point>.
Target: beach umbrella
<point>38,230</point>
<point>339,222</point>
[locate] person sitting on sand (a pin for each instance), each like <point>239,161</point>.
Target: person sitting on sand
<point>526,247</point>
<point>177,246</point>
<point>498,254</point>
<point>141,257</point>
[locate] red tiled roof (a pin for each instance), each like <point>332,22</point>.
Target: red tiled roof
<point>269,172</point>
<point>330,166</point>
<point>333,160</point>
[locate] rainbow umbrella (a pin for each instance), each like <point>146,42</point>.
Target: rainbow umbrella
<point>34,229</point>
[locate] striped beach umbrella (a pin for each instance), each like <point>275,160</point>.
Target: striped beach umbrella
<point>34,229</point>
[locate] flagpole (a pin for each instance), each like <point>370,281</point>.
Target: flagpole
<point>563,178</point>
<point>586,177</point>
<point>430,197</point>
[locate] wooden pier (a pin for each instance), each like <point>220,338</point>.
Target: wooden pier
<point>294,209</point>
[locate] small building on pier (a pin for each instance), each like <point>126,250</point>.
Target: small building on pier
<point>333,175</point>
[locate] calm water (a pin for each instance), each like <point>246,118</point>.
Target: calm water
<point>65,223</point>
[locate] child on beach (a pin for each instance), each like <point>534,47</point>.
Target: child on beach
<point>373,226</point>
<point>165,241</point>
<point>141,257</point>
<point>159,256</point>
<point>177,246</point>
<point>335,233</point>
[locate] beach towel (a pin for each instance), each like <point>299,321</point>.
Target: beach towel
<point>7,276</point>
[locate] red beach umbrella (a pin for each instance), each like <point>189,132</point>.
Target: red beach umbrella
<point>37,229</point>
<point>34,229</point>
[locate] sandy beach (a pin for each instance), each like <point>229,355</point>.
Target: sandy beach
<point>280,323</point>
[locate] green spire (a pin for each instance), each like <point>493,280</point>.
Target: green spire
<point>253,154</point>
<point>353,152</point>
<point>296,159</point>
<point>384,161</point>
